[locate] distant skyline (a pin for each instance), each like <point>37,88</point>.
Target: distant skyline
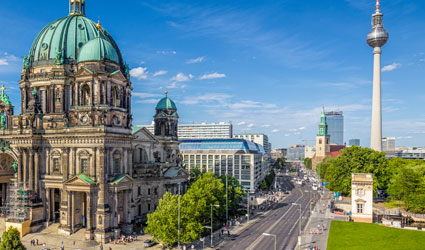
<point>266,66</point>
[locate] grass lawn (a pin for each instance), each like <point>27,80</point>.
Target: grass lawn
<point>366,236</point>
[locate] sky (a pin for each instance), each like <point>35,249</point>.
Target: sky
<point>266,66</point>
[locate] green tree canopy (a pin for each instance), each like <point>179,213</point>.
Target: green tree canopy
<point>10,240</point>
<point>234,192</point>
<point>408,185</point>
<point>307,163</point>
<point>356,159</point>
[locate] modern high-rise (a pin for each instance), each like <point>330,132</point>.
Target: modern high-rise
<point>201,131</point>
<point>388,144</point>
<point>335,121</point>
<point>377,38</point>
<point>354,142</point>
<point>259,138</point>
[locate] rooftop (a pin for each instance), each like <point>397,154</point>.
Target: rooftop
<point>220,144</point>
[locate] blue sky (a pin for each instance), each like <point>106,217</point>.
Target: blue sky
<point>267,66</point>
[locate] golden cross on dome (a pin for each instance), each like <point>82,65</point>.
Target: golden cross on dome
<point>166,93</point>
<point>2,89</point>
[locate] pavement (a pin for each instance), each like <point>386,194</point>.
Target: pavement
<point>282,221</point>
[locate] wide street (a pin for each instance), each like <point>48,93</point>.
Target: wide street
<point>281,221</point>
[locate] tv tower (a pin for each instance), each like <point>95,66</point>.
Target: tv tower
<point>377,38</point>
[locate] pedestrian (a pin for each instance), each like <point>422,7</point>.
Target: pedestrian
<point>37,241</point>
<point>228,233</point>
<point>192,247</point>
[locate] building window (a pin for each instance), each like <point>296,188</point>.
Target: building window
<point>359,191</point>
<point>116,157</point>
<point>140,210</point>
<point>139,190</point>
<point>320,141</point>
<point>56,165</point>
<point>155,191</point>
<point>149,191</point>
<point>359,208</point>
<point>84,166</point>
<point>149,207</point>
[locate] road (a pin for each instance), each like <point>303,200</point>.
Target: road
<point>281,221</point>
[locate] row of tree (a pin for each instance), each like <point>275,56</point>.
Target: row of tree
<point>206,193</point>
<point>402,179</point>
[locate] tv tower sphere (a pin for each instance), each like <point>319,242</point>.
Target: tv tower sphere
<point>378,36</point>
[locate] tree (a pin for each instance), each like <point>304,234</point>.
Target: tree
<point>408,185</point>
<point>162,224</point>
<point>263,185</point>
<point>307,163</point>
<point>234,192</point>
<point>280,163</point>
<point>10,240</point>
<point>357,160</point>
<point>323,166</point>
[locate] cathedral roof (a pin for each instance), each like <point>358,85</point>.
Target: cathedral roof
<point>166,103</point>
<point>61,42</point>
<point>98,49</point>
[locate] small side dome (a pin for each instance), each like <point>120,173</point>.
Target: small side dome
<point>166,103</point>
<point>98,49</point>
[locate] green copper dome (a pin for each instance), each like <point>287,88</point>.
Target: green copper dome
<point>166,103</point>
<point>61,41</point>
<point>96,50</point>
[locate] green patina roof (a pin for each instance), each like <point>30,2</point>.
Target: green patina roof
<point>64,38</point>
<point>134,129</point>
<point>96,50</point>
<point>171,172</point>
<point>86,178</point>
<point>323,125</point>
<point>118,179</point>
<point>166,103</point>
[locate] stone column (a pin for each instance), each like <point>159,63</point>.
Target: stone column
<point>116,214</point>
<point>48,206</point>
<point>65,163</point>
<point>20,162</point>
<point>31,169</point>
<point>36,169</point>
<point>69,220</point>
<point>92,169</point>
<point>73,161</point>
<point>24,166</point>
<point>125,161</point>
<point>47,160</point>
<point>73,214</point>
<point>89,209</point>
<point>129,162</point>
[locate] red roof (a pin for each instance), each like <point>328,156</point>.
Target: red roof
<point>336,148</point>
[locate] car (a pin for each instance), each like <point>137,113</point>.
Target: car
<point>149,243</point>
<point>314,186</point>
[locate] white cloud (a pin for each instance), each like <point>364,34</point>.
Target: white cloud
<point>166,52</point>
<point>195,60</point>
<point>148,101</point>
<point>287,135</point>
<point>250,104</point>
<point>145,95</point>
<point>180,77</point>
<point>391,67</point>
<point>174,85</point>
<point>275,130</point>
<point>212,97</point>
<point>212,76</point>
<point>404,137</point>
<point>265,126</point>
<point>139,73</point>
<point>250,125</point>
<point>241,123</point>
<point>3,62</point>
<point>160,73</point>
<point>301,128</point>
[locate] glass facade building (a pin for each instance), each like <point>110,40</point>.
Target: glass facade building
<point>354,142</point>
<point>335,120</point>
<point>240,158</point>
<point>201,131</point>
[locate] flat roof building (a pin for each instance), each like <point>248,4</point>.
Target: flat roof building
<point>240,158</point>
<point>258,138</point>
<point>335,120</point>
<point>201,131</point>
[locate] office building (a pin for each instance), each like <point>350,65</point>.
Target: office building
<point>202,130</point>
<point>278,153</point>
<point>335,120</point>
<point>296,153</point>
<point>407,153</point>
<point>240,158</point>
<point>354,142</point>
<point>309,151</point>
<point>388,144</point>
<point>259,138</point>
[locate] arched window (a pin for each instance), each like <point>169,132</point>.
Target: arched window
<point>163,129</point>
<point>85,95</point>
<point>84,166</point>
<point>116,161</point>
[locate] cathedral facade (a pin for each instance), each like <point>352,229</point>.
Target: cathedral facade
<point>72,144</point>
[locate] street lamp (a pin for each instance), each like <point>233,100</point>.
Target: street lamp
<point>299,223</point>
<point>227,200</point>
<point>212,222</point>
<point>274,235</point>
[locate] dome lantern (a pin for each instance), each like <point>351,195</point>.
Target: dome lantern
<point>77,7</point>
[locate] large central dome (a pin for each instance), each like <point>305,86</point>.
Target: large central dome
<point>64,39</point>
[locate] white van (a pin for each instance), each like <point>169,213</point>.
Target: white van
<point>314,186</point>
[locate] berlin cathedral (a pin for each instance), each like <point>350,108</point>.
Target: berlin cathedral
<point>73,146</point>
